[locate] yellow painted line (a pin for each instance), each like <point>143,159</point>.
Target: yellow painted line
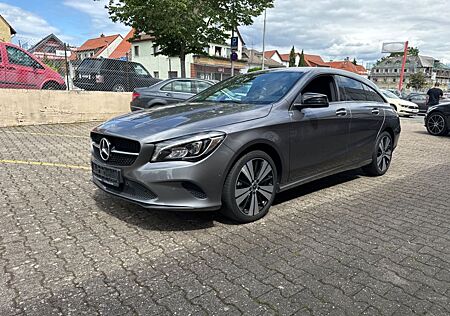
<point>47,164</point>
<point>45,134</point>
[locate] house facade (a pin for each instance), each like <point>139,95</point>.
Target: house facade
<point>253,59</point>
<point>100,47</point>
<point>214,64</point>
<point>311,60</point>
<point>6,30</point>
<point>386,74</point>
<point>47,48</point>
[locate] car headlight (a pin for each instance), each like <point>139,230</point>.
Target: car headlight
<point>191,148</point>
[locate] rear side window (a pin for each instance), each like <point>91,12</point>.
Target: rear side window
<point>200,86</point>
<point>179,86</point>
<point>139,70</point>
<point>351,90</point>
<point>372,95</point>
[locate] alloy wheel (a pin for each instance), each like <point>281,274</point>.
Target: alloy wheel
<point>119,88</point>
<point>384,154</point>
<point>436,124</point>
<point>254,186</point>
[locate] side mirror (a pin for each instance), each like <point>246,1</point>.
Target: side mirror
<point>312,100</point>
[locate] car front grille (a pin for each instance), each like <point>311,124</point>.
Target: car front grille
<point>124,151</point>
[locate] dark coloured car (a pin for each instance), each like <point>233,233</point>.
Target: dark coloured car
<point>235,145</point>
<point>104,74</point>
<point>437,119</point>
<point>167,92</point>
<point>420,99</point>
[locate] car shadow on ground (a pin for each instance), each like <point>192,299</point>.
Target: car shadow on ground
<point>189,221</point>
<point>426,133</point>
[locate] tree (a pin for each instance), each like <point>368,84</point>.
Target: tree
<point>302,61</point>
<point>417,80</point>
<point>292,57</point>
<point>183,27</point>
<point>254,69</point>
<point>355,62</point>
<point>412,51</point>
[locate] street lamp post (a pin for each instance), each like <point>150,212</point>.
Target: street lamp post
<point>264,41</point>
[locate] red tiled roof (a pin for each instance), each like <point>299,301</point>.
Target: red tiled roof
<point>98,43</point>
<point>349,66</point>
<point>284,57</point>
<point>270,53</point>
<point>315,61</point>
<point>124,47</point>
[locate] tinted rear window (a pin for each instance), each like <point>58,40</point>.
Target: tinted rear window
<point>91,64</point>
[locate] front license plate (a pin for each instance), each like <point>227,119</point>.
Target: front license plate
<point>85,76</point>
<point>107,175</point>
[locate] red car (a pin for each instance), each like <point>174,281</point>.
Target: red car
<point>21,70</point>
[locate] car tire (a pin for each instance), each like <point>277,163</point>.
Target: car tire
<point>250,187</point>
<point>436,124</point>
<point>118,87</point>
<point>52,86</point>
<point>381,157</point>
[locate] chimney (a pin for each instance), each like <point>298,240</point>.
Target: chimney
<point>102,35</point>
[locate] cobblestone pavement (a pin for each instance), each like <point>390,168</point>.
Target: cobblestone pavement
<point>348,244</point>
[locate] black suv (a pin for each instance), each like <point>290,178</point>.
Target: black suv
<point>104,74</point>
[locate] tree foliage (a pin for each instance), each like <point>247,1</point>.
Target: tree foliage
<point>417,80</point>
<point>254,69</point>
<point>292,55</point>
<point>182,27</point>
<point>302,61</point>
<point>412,51</point>
<point>355,62</point>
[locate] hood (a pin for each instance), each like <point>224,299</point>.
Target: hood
<point>167,122</point>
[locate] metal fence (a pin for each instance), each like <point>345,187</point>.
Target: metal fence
<point>51,64</point>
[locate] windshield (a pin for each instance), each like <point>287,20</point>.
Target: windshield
<point>91,63</point>
<point>389,94</point>
<point>258,88</point>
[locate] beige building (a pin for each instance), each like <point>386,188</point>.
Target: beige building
<point>6,30</point>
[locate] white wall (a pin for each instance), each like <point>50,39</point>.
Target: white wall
<point>111,48</point>
<point>159,63</point>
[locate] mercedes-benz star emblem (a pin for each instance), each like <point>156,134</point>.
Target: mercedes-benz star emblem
<point>105,149</point>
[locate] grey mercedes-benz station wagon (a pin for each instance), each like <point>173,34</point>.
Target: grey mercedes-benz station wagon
<point>235,145</point>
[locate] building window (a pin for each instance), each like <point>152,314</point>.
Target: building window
<point>156,74</point>
<point>156,50</point>
<point>394,80</point>
<point>172,74</point>
<point>136,51</point>
<point>218,51</point>
<point>378,70</point>
<point>395,70</point>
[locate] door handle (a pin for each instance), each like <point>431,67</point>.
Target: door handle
<point>11,68</point>
<point>341,112</point>
<point>375,111</point>
<point>168,94</point>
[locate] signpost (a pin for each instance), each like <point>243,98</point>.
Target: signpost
<point>234,45</point>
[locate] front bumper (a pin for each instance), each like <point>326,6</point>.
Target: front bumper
<point>408,111</point>
<point>176,185</point>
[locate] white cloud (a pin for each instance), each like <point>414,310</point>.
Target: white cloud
<point>29,26</point>
<point>354,28</point>
<point>101,23</point>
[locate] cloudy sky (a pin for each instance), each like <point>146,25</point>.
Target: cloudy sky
<point>333,29</point>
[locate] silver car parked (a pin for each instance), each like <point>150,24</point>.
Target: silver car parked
<point>235,145</point>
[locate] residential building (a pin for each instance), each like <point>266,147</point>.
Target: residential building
<point>386,73</point>
<point>253,58</point>
<point>50,47</point>
<point>311,60</point>
<point>6,30</point>
<point>214,64</point>
<point>348,66</point>
<point>123,50</point>
<point>102,46</point>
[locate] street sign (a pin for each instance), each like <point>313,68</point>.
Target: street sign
<point>234,42</point>
<point>234,56</point>
<point>393,47</point>
<point>60,53</point>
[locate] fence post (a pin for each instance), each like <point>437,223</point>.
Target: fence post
<point>67,66</point>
